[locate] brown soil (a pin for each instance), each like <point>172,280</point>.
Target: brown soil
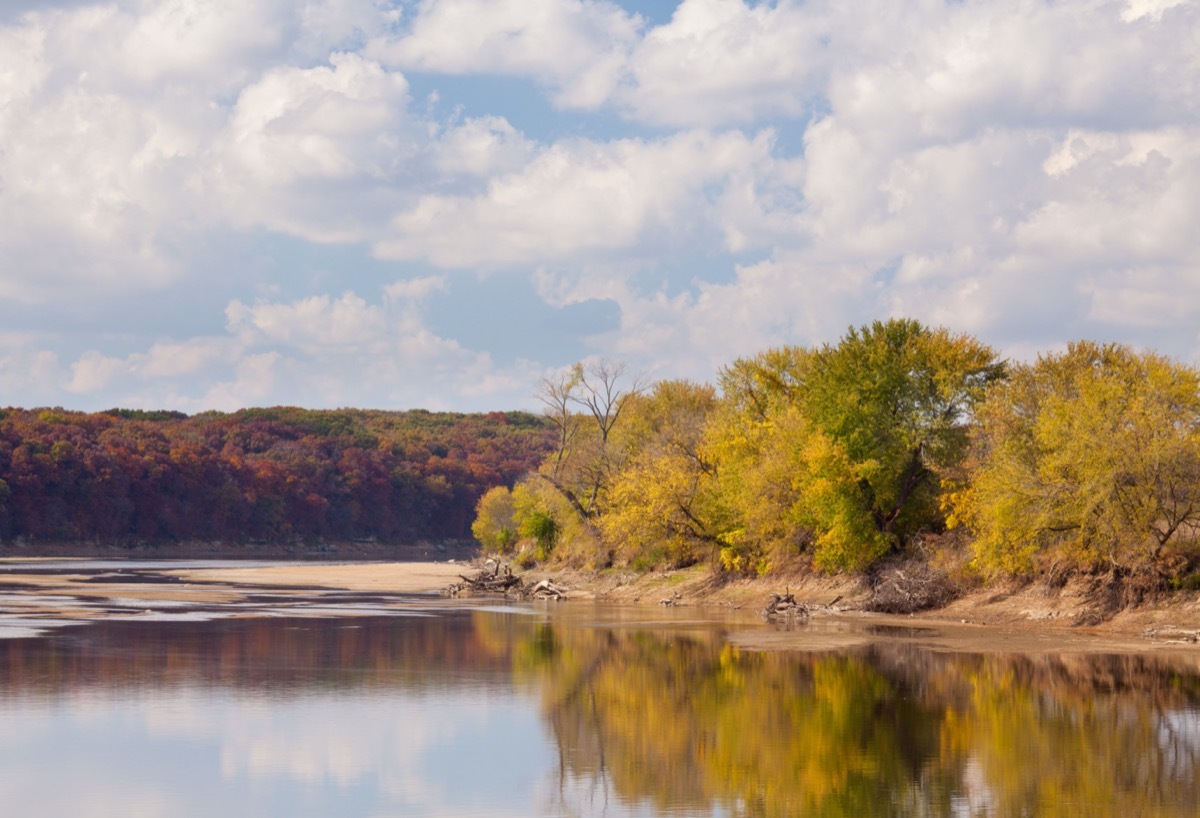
<point>1030,618</point>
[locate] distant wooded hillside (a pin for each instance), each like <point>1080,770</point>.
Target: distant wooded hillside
<point>277,475</point>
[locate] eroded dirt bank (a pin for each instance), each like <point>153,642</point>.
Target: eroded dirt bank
<point>1049,618</point>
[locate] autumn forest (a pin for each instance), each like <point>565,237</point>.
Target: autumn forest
<point>260,476</point>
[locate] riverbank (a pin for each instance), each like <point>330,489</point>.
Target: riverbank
<point>1077,606</point>
<point>1031,618</point>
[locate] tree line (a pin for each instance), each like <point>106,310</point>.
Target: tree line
<point>899,440</point>
<point>279,475</point>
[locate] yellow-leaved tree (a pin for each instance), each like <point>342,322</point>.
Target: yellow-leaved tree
<point>657,507</point>
<point>495,527</point>
<point>1085,458</point>
<point>842,449</point>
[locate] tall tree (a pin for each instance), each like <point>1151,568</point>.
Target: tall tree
<point>895,396</point>
<point>585,459</point>
<point>847,442</point>
<point>1087,457</point>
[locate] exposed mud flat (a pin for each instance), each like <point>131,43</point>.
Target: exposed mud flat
<point>39,595</point>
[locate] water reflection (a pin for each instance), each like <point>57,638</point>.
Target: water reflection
<point>885,730</point>
<point>488,713</point>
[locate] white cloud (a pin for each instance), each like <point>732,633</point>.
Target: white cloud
<point>788,299</point>
<point>577,48</point>
<point>316,325</point>
<point>253,384</point>
<point>184,39</point>
<point>718,61</point>
<point>578,198</point>
<point>319,351</point>
<point>482,147</point>
<point>1154,9</point>
<point>130,134</point>
<point>311,151</point>
<point>415,289</point>
<point>934,73</point>
<point>1029,173</point>
<point>172,360</point>
<point>28,375</point>
<point>93,372</point>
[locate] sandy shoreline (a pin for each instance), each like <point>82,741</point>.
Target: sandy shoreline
<point>34,597</point>
<point>1029,621</point>
<point>390,577</point>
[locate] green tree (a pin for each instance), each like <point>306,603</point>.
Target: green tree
<point>845,446</point>
<point>1088,457</point>
<point>895,397</point>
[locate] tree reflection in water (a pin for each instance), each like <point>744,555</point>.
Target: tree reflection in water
<point>689,723</point>
<point>653,720</point>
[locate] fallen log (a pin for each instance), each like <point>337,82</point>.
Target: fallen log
<point>547,590</point>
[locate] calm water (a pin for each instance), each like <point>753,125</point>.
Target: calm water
<point>448,711</point>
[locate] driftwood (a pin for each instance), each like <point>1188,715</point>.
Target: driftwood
<point>784,607</point>
<point>547,590</point>
<point>497,578</point>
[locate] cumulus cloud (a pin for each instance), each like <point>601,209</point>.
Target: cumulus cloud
<point>415,290</point>
<point>315,323</point>
<point>130,133</point>
<point>576,48</point>
<point>579,198</point>
<point>320,351</point>
<point>727,62</point>
<point>253,384</point>
<point>480,148</point>
<point>1029,173</point>
<point>311,151</point>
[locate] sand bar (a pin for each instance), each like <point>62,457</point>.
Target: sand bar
<point>389,577</point>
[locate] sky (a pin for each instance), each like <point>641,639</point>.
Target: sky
<point>214,204</point>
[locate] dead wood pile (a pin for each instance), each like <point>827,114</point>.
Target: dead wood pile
<point>908,587</point>
<point>784,607</point>
<point>497,578</point>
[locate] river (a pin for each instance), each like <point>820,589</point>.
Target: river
<point>431,707</point>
